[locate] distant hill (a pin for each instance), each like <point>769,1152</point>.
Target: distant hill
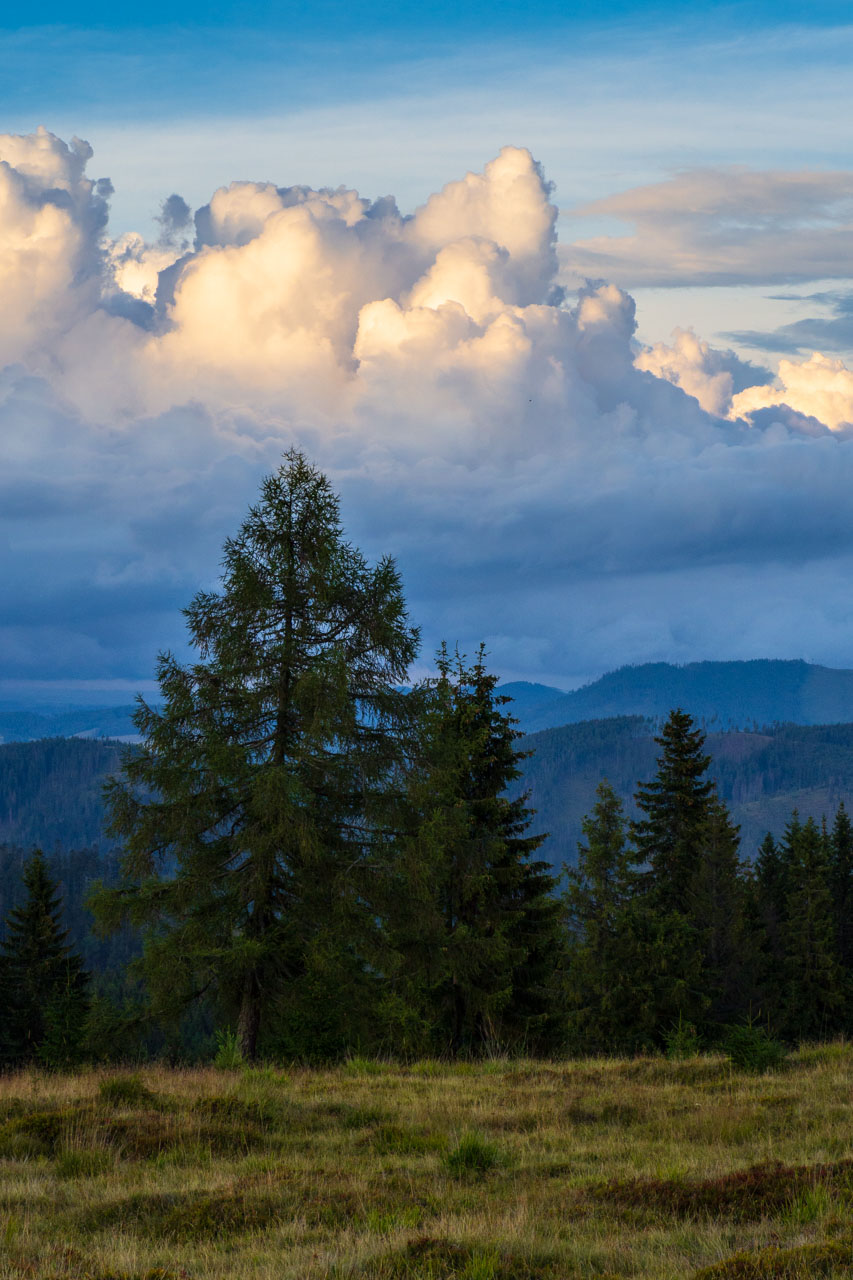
<point>50,790</point>
<point>721,694</point>
<point>81,722</point>
<point>761,776</point>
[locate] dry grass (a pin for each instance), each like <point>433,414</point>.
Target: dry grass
<point>503,1171</point>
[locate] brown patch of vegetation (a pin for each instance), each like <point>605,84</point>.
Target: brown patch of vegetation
<point>745,1195</point>
<point>438,1259</point>
<point>830,1258</point>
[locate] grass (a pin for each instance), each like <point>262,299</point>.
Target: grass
<point>512,1170</point>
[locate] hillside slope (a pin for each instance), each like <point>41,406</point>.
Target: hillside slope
<point>721,694</point>
<point>761,776</point>
<point>50,791</point>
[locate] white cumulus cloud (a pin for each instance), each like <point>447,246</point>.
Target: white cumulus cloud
<point>544,483</point>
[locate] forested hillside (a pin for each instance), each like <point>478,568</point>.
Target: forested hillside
<point>761,776</point>
<point>82,722</point>
<point>50,790</point>
<point>719,694</point>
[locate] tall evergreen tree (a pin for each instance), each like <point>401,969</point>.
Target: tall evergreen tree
<point>814,987</point>
<point>608,1003</point>
<point>252,814</point>
<point>841,881</point>
<point>474,924</point>
<point>717,908</point>
<point>676,805</point>
<point>43,986</point>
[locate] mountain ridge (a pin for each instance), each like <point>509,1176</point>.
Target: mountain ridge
<point>728,695</point>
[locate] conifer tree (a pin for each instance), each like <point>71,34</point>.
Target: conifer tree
<point>252,814</point>
<point>608,1004</point>
<point>764,911</point>
<point>814,988</point>
<point>43,985</point>
<point>717,908</point>
<point>841,881</point>
<point>473,923</point>
<point>676,805</point>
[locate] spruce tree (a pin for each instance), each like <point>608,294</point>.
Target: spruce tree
<point>717,909</point>
<point>814,993</point>
<point>765,907</point>
<point>474,925</point>
<point>254,811</point>
<point>608,1004</point>
<point>841,879</point>
<point>43,985</point>
<point>676,805</point>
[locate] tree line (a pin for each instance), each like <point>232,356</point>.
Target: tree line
<point>320,861</point>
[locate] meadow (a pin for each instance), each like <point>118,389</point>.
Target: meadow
<point>502,1170</point>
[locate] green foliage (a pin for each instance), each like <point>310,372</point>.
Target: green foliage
<point>474,932</point>
<point>681,1041</point>
<point>252,813</point>
<point>606,936</point>
<point>751,1048</point>
<point>814,992</point>
<point>229,1054</point>
<point>43,987</point>
<point>472,1155</point>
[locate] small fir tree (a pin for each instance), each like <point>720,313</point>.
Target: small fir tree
<point>717,908</point>
<point>44,986</point>
<point>678,807</point>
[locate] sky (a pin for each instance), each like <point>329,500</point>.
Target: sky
<point>560,297</point>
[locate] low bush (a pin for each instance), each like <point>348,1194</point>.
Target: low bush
<point>750,1048</point>
<point>473,1154</point>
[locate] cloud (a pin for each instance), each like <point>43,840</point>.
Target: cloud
<point>820,388</point>
<point>722,227</point>
<point>828,333</point>
<point>544,484</point>
<point>710,375</point>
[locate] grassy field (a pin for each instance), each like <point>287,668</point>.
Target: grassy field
<point>509,1170</point>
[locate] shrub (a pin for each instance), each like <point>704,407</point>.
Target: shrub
<point>229,1055</point>
<point>750,1048</point>
<point>473,1154</point>
<point>681,1041</point>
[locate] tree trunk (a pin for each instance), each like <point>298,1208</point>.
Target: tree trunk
<point>249,1020</point>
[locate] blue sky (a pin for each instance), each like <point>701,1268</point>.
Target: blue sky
<point>697,164</point>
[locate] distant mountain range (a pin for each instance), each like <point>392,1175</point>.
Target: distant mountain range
<point>722,695</point>
<point>79,722</point>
